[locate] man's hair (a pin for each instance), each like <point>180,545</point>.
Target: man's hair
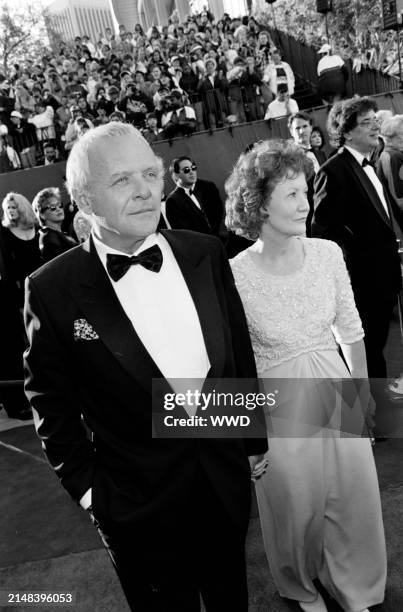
<point>78,180</point>
<point>42,198</point>
<point>175,163</point>
<point>253,180</point>
<point>343,116</point>
<point>299,115</point>
<point>282,88</point>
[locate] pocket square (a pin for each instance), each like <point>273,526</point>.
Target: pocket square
<point>84,330</point>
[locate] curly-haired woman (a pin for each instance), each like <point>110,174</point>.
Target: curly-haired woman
<point>49,210</point>
<point>319,502</point>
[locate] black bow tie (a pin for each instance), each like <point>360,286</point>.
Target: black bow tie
<point>367,162</point>
<point>118,265</point>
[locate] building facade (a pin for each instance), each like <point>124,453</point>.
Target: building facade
<point>148,12</point>
<point>126,13</point>
<point>71,18</point>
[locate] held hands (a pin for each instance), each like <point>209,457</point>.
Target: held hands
<point>258,466</point>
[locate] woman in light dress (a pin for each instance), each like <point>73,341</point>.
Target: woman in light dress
<point>319,501</point>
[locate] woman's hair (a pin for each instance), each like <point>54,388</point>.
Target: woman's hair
<point>391,126</point>
<point>253,179</point>
<point>42,199</point>
<point>26,216</point>
<point>82,225</point>
<point>317,130</point>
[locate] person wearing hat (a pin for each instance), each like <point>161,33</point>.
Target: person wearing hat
<point>24,139</point>
<point>332,75</point>
<point>213,88</point>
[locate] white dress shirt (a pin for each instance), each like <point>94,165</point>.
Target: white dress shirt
<point>192,196</point>
<point>163,314</point>
<point>311,155</point>
<point>371,174</point>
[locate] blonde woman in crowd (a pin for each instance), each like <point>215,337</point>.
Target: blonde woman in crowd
<point>21,240</point>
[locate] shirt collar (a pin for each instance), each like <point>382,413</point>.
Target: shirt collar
<point>356,154</point>
<point>187,189</point>
<point>103,249</point>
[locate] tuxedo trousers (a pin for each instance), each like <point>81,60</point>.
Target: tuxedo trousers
<point>165,565</point>
<point>375,313</point>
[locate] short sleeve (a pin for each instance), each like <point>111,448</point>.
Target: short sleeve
<point>347,327</point>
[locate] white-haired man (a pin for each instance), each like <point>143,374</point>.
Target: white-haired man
<point>127,306</point>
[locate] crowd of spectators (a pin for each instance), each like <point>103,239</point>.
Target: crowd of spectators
<point>169,81</point>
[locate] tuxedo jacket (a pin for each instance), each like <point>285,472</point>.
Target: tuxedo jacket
<point>349,211</point>
<point>321,158</point>
<point>182,212</point>
<point>107,380</point>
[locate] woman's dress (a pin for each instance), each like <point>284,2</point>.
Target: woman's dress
<point>22,258</point>
<point>319,501</point>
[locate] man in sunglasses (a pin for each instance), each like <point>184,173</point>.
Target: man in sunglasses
<point>194,204</point>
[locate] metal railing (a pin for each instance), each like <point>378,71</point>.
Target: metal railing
<point>304,60</point>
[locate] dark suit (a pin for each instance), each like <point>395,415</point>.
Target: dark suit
<point>182,212</point>
<point>349,211</point>
<point>53,243</point>
<point>320,158</point>
<point>159,503</point>
<point>214,100</point>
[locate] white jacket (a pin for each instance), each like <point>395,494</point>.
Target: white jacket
<point>270,77</point>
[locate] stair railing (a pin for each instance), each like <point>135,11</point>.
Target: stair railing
<point>303,60</point>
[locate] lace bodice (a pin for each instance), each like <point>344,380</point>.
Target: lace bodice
<point>312,309</point>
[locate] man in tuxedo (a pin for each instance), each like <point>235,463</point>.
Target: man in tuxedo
<point>300,125</point>
<point>103,320</point>
<point>194,204</point>
<point>352,208</point>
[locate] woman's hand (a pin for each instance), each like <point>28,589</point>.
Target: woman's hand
<point>258,466</point>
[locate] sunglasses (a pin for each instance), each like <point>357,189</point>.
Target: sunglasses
<point>186,170</point>
<point>53,207</point>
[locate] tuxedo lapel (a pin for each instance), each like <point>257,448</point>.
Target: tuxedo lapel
<point>199,213</point>
<point>197,272</point>
<point>97,299</point>
<point>366,184</point>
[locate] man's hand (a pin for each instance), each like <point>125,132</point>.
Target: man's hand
<point>258,466</point>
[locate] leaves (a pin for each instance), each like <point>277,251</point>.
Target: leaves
<point>23,32</point>
<point>355,27</point>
